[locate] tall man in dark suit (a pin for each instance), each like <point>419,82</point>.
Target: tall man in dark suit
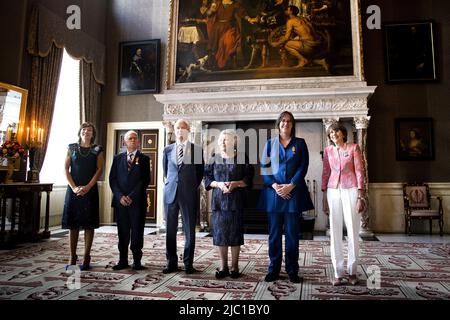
<point>129,178</point>
<point>183,167</point>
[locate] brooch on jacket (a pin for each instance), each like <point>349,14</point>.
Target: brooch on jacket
<point>293,150</point>
<point>137,161</point>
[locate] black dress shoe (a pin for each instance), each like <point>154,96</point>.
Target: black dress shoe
<point>167,270</point>
<point>138,266</point>
<point>120,266</point>
<point>235,274</point>
<point>271,277</point>
<point>190,270</point>
<point>220,274</point>
<point>294,278</point>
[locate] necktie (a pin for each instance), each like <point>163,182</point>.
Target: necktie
<point>180,154</point>
<point>130,161</point>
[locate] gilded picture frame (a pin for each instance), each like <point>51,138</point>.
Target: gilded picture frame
<point>139,67</point>
<point>191,49</point>
<point>410,51</point>
<point>414,139</point>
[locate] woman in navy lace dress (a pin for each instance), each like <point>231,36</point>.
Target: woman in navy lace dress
<point>229,175</point>
<point>84,165</point>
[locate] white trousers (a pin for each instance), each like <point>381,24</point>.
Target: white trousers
<point>342,204</point>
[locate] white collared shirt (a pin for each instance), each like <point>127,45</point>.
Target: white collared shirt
<point>133,153</point>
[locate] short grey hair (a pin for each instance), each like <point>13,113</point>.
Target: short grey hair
<point>230,132</point>
<point>129,133</point>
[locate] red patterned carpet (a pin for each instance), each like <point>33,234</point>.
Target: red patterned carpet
<point>37,271</point>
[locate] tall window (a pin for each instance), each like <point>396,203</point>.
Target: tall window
<point>65,123</point>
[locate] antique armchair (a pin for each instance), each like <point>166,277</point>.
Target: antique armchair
<point>417,205</point>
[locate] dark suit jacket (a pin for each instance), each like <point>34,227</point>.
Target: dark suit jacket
<point>186,178</point>
<point>133,183</point>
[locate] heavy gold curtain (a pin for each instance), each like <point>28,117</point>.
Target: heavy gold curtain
<point>45,72</point>
<point>47,38</point>
<point>90,95</point>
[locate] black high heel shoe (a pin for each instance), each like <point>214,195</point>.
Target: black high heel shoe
<point>86,263</point>
<point>72,262</point>
<point>220,274</point>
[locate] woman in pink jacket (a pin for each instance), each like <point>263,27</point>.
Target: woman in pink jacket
<point>343,199</point>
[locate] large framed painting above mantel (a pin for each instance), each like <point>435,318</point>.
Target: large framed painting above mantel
<point>220,43</point>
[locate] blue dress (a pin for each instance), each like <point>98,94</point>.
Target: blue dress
<point>227,217</point>
<point>82,212</point>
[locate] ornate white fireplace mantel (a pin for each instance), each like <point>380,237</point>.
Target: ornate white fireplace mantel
<point>304,103</point>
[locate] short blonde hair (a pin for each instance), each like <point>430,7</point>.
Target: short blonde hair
<point>185,122</point>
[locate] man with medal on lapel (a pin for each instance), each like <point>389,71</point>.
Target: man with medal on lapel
<point>128,179</point>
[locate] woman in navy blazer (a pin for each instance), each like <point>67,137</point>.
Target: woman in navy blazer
<point>285,195</point>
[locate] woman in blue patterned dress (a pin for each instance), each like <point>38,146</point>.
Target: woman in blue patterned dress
<point>84,166</point>
<point>229,175</point>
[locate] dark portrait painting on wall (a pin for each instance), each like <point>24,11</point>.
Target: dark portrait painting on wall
<point>414,139</point>
<point>139,67</point>
<point>219,40</point>
<point>410,52</point>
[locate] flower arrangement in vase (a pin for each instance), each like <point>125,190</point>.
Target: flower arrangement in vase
<point>12,151</point>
